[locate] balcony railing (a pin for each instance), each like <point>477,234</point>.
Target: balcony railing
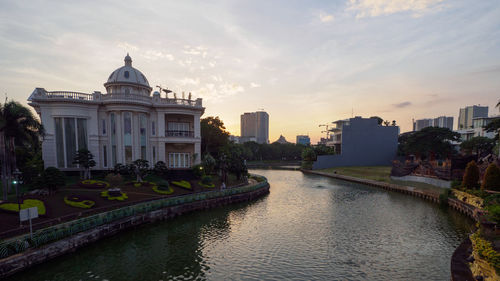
<point>185,134</point>
<point>42,94</point>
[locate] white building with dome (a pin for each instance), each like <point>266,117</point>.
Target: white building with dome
<point>120,126</point>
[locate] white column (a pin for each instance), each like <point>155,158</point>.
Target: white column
<point>160,150</point>
<point>161,125</point>
<point>196,121</point>
<point>119,139</point>
<point>197,151</point>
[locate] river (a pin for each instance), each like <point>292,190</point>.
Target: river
<point>308,228</point>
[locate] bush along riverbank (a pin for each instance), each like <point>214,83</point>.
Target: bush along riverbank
<point>20,252</point>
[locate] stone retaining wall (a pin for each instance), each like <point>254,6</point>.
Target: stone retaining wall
<point>19,262</point>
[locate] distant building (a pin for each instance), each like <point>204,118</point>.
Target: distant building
<point>477,129</point>
<point>441,121</point>
<point>468,113</point>
<point>281,140</point>
<point>303,139</point>
<point>235,139</point>
<point>336,134</point>
<point>255,127</point>
<point>364,142</point>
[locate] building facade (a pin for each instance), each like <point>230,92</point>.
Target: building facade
<point>120,126</point>
<point>303,139</point>
<point>254,126</point>
<point>364,143</point>
<point>468,113</point>
<point>441,122</point>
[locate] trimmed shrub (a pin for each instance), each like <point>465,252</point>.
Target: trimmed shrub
<point>115,180</point>
<point>78,202</point>
<point>183,184</point>
<point>114,195</point>
<point>93,184</point>
<point>160,169</point>
<point>206,181</point>
<point>163,189</point>
<point>485,250</point>
<point>494,213</point>
<point>471,176</point>
<point>27,203</point>
<point>491,179</point>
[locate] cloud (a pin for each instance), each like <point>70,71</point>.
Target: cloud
<point>127,46</point>
<point>402,104</point>
<point>190,81</point>
<point>374,8</point>
<point>254,85</point>
<point>325,17</point>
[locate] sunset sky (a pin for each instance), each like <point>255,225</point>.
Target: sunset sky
<point>304,62</point>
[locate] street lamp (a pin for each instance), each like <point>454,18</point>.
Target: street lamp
<point>17,176</point>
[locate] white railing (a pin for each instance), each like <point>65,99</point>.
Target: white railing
<point>41,93</point>
<point>69,95</point>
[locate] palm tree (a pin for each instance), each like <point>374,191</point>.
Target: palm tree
<point>18,126</point>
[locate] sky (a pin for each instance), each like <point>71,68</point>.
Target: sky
<point>306,63</point>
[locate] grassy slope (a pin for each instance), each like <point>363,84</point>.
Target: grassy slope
<point>379,173</point>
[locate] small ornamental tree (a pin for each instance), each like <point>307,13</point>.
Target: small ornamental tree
<point>491,179</point>
<point>140,168</point>
<point>471,176</point>
<point>160,168</point>
<point>209,164</point>
<point>51,178</point>
<point>86,161</point>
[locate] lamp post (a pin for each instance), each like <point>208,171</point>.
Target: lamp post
<point>17,175</point>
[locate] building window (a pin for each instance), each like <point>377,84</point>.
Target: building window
<point>143,135</point>
<point>59,143</point>
<point>113,139</point>
<point>154,155</point>
<point>179,160</point>
<point>179,129</point>
<point>104,156</point>
<point>103,126</point>
<point>127,136</point>
<point>153,128</point>
<point>71,135</point>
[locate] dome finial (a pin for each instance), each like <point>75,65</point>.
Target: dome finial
<point>128,60</point>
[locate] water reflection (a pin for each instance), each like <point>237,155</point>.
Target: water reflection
<point>308,228</point>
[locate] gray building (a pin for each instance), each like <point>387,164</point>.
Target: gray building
<point>303,139</point>
<point>364,143</point>
<point>255,126</point>
<point>441,121</point>
<point>467,113</point>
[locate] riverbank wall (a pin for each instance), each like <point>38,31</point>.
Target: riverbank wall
<point>99,228</point>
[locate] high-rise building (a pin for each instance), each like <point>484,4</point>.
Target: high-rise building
<point>255,126</point>
<point>303,139</point>
<point>467,113</point>
<point>441,121</point>
<point>444,122</point>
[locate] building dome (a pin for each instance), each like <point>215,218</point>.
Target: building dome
<point>127,75</point>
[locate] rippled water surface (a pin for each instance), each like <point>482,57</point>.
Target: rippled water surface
<point>307,228</point>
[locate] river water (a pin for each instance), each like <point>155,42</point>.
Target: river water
<point>308,228</point>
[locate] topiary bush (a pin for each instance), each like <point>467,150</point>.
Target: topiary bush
<point>114,194</point>
<point>471,176</point>
<point>491,179</point>
<point>51,178</point>
<point>93,184</point>
<point>206,181</point>
<point>78,202</point>
<point>160,169</point>
<point>183,184</point>
<point>27,203</point>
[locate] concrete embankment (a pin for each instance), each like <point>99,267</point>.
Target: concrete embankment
<point>33,256</point>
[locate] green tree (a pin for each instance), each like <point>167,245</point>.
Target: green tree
<point>18,127</point>
<point>491,179</point>
<point>141,168</point>
<point>478,145</point>
<point>471,176</point>
<point>209,164</point>
<point>52,179</point>
<point>213,135</point>
<point>429,140</point>
<point>86,161</point>
<point>379,120</point>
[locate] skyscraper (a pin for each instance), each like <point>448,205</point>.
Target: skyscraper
<point>441,121</point>
<point>255,127</point>
<point>467,113</point>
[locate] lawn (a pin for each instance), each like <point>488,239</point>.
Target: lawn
<point>379,173</point>
<point>58,208</point>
